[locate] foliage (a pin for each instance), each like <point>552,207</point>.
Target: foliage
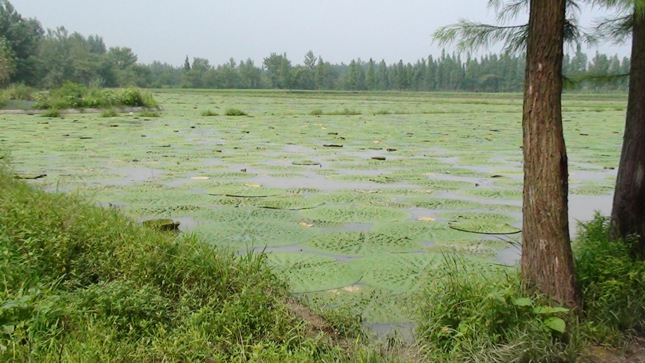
<point>95,286</point>
<point>477,312</point>
<point>19,91</point>
<point>612,282</point>
<point>23,37</point>
<point>7,62</point>
<point>73,95</point>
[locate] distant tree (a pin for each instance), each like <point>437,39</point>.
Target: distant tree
<point>7,64</point>
<point>186,64</point>
<point>307,77</point>
<point>355,78</point>
<point>250,75</point>
<point>382,76</point>
<point>23,36</point>
<point>96,45</point>
<point>370,77</point>
<point>278,68</point>
<point>199,75</point>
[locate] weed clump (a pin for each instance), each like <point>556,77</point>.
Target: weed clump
<point>235,112</point>
<point>109,113</point>
<point>209,113</point>
<point>612,282</point>
<point>472,311</point>
<point>52,113</point>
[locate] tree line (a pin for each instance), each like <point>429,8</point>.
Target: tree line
<point>47,59</point>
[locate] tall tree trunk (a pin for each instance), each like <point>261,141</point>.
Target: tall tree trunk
<point>547,262</point>
<point>628,211</point>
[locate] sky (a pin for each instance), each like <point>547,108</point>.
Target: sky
<point>337,30</point>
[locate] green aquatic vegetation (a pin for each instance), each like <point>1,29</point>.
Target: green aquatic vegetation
<point>398,272</point>
<point>470,247</point>
<point>305,272</point>
<point>443,185</point>
<point>358,196</point>
<point>290,202</point>
<point>443,203</point>
<point>454,171</point>
<point>477,222</point>
<point>329,215</point>
<point>248,190</point>
<point>303,190</point>
<point>510,183</point>
<point>151,200</point>
<point>493,193</point>
<point>226,214</point>
<point>593,189</point>
<point>362,243</point>
<point>248,234</point>
<point>372,305</point>
<point>421,231</point>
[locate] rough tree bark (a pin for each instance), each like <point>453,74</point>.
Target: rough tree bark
<point>547,261</point>
<point>628,210</point>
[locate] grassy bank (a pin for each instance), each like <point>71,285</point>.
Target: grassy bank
<point>81,283</point>
<point>476,312</point>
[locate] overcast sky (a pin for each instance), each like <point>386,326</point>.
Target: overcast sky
<point>337,30</point>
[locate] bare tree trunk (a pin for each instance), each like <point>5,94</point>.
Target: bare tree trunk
<point>628,211</point>
<point>547,262</point>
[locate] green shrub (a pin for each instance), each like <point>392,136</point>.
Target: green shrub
<point>316,112</point>
<point>234,112</point>
<point>477,312</point>
<point>19,91</point>
<point>611,280</point>
<point>72,95</point>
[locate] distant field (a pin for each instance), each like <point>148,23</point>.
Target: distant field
<point>355,195</point>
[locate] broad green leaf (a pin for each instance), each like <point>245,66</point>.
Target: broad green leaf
<point>522,301</point>
<point>555,324</point>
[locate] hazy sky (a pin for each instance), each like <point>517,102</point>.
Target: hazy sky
<point>338,30</point>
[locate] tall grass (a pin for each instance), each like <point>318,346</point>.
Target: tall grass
<point>81,283</point>
<point>476,312</point>
<point>612,282</point>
